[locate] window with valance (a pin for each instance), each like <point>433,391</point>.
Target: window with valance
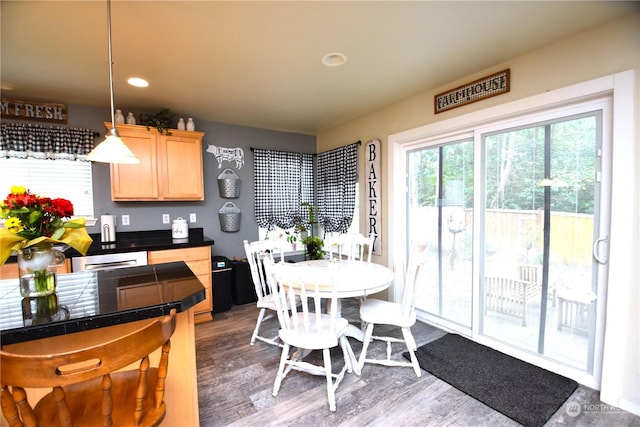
<point>27,140</point>
<point>44,159</point>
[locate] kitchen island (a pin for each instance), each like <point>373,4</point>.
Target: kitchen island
<point>99,303</point>
<point>141,248</point>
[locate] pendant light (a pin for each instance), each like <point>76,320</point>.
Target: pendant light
<point>112,149</point>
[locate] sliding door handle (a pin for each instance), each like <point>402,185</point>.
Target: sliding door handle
<point>601,259</point>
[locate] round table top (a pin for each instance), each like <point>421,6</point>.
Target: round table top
<point>350,278</point>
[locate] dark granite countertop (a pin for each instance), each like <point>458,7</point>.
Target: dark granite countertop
<point>97,299</point>
<point>144,241</point>
<point>129,241</point>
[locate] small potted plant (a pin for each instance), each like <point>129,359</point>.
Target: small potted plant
<point>301,230</point>
<point>292,238</point>
<point>314,245</point>
<point>161,120</point>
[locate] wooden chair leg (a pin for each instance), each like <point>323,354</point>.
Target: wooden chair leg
<point>365,345</point>
<point>11,401</point>
<point>411,347</point>
<point>63,411</point>
<point>141,391</point>
<point>258,323</point>
<point>163,368</point>
<point>331,394</point>
<point>280,375</point>
<point>107,401</point>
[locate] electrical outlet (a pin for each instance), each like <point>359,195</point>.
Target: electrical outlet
<point>166,219</point>
<point>192,217</point>
<point>125,219</point>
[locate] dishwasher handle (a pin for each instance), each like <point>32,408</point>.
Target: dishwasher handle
<point>109,261</point>
<point>108,265</point>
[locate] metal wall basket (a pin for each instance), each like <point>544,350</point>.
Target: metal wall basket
<point>229,216</point>
<point>229,184</point>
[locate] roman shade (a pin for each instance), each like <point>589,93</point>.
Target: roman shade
<point>283,181</point>
<point>337,178</point>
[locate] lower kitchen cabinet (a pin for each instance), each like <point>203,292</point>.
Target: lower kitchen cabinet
<point>199,261</point>
<point>10,270</point>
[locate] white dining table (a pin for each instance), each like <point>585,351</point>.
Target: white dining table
<point>352,279</point>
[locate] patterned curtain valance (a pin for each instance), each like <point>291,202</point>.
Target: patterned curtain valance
<point>337,176</point>
<point>283,181</point>
<point>47,142</point>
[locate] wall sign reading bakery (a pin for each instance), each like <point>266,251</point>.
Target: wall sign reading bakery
<point>483,88</point>
<point>34,110</point>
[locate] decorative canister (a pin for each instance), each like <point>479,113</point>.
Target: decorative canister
<point>229,216</point>
<point>180,123</point>
<point>131,120</point>
<point>229,184</point>
<point>179,229</point>
<point>190,124</point>
<point>119,116</point>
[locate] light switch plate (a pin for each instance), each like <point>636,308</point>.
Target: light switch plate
<point>192,217</point>
<point>125,219</point>
<point>166,219</point>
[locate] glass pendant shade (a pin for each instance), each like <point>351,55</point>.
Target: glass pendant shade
<point>112,150</point>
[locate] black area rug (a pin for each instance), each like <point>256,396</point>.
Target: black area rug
<point>523,392</point>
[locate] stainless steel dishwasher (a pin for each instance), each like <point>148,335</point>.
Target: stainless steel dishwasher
<point>108,261</point>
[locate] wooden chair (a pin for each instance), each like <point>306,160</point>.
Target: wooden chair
<point>352,246</point>
<point>86,389</point>
<point>256,253</point>
<point>401,314</point>
<point>308,327</point>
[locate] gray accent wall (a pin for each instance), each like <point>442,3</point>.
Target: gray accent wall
<point>148,215</point>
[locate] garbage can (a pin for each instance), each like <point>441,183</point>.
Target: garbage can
<point>244,291</point>
<point>221,283</point>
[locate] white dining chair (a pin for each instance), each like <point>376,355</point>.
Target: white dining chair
<point>256,253</point>
<point>309,327</point>
<point>402,314</point>
<point>351,246</point>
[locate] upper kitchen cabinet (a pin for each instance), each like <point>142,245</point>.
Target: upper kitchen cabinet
<point>170,166</point>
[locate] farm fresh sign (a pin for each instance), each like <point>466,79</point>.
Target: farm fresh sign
<point>34,111</point>
<point>483,88</point>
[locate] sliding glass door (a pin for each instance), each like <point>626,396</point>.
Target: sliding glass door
<point>440,193</point>
<point>515,215</point>
<point>541,201</point>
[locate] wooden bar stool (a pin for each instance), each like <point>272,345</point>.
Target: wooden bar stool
<point>81,370</point>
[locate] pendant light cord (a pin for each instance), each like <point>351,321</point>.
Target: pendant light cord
<point>113,116</point>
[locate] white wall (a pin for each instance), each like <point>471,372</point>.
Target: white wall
<point>602,51</point>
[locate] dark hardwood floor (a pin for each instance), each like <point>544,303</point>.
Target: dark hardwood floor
<point>235,382</point>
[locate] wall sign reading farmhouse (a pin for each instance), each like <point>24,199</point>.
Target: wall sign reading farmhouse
<point>34,110</point>
<point>483,88</point>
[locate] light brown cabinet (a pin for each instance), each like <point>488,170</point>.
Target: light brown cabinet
<point>170,166</point>
<point>10,270</point>
<point>199,261</point>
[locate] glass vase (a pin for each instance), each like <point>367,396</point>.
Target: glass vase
<point>37,269</point>
<point>42,310</point>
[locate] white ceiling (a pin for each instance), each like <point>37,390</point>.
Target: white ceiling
<point>258,63</point>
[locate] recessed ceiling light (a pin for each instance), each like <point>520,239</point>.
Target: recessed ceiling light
<point>334,59</point>
<point>138,82</point>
